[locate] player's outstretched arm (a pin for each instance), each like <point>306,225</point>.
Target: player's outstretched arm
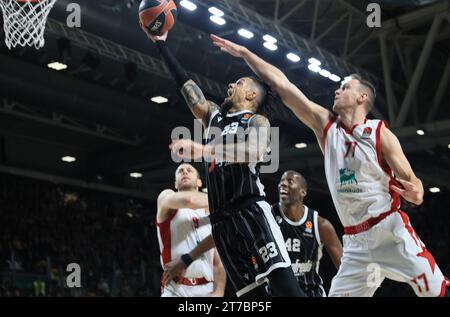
<point>200,107</point>
<point>330,240</point>
<point>310,113</point>
<point>393,155</point>
<point>168,199</point>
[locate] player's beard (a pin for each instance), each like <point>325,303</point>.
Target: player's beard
<point>226,105</point>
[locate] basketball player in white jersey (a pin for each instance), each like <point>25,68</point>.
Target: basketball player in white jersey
<point>367,172</point>
<point>182,223</point>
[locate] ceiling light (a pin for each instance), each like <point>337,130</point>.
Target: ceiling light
<point>269,38</point>
<point>136,175</point>
<point>324,73</point>
<point>314,61</point>
<point>301,145</point>
<point>205,190</point>
<point>314,68</point>
<point>68,159</point>
<point>188,5</point>
<point>420,132</point>
<point>335,78</point>
<point>159,99</point>
<point>245,33</point>
<point>215,11</point>
<point>270,46</point>
<point>57,66</point>
<point>217,20</point>
<point>435,190</point>
<point>293,57</point>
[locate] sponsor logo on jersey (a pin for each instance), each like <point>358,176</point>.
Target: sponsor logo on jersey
<point>300,268</point>
<point>367,133</point>
<point>245,118</point>
<point>347,176</point>
<point>196,222</point>
<point>255,263</point>
<point>308,226</point>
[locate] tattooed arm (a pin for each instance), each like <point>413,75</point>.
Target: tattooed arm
<point>200,107</point>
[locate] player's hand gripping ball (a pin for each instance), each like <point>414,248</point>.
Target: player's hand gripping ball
<point>157,16</point>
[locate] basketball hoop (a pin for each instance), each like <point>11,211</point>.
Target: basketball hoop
<point>24,21</point>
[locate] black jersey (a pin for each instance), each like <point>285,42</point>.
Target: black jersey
<point>230,184</point>
<point>304,247</point>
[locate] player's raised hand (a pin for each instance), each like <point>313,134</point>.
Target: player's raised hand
<point>152,37</point>
<point>410,191</point>
<point>187,149</point>
<point>227,46</point>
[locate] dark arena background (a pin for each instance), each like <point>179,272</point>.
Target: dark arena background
<point>84,149</point>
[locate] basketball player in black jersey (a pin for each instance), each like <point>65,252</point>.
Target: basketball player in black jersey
<point>247,238</point>
<point>305,233</point>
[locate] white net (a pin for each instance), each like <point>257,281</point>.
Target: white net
<point>24,21</point>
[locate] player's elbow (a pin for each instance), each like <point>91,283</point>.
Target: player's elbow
<point>191,202</point>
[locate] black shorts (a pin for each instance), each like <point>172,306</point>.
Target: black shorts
<point>313,291</point>
<point>250,244</point>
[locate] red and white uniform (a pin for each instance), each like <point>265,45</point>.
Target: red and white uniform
<point>379,241</point>
<point>179,235</point>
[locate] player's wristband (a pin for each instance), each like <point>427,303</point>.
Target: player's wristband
<point>172,63</point>
<point>187,260</point>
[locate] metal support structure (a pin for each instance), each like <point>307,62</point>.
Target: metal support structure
<point>292,11</point>
<point>440,93</point>
<point>403,23</point>
<point>236,12</point>
<point>424,56</point>
<point>353,10</point>
<point>391,101</point>
<point>402,60</point>
<point>276,14</point>
<point>331,27</point>
<point>63,121</point>
<point>416,18</point>
<point>123,54</point>
<point>314,21</point>
<point>347,36</point>
<point>360,46</point>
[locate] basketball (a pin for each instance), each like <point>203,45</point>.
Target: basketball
<point>158,16</point>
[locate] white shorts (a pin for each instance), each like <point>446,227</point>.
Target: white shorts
<point>390,249</point>
<point>179,290</point>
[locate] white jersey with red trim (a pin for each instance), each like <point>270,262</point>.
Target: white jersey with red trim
<point>358,180</point>
<point>182,233</point>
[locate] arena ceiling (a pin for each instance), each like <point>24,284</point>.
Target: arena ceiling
<point>98,109</point>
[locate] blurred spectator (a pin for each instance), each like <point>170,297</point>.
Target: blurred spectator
<point>44,227</point>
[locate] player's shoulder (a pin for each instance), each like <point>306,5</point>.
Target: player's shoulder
<point>324,223</point>
<point>164,194</point>
<point>259,120</point>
